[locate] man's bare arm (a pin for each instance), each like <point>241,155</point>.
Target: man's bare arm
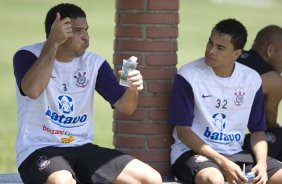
<point>128,102</point>
<point>259,148</point>
<point>231,171</point>
<point>37,77</point>
<point>272,89</point>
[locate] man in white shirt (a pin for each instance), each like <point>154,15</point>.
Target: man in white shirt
<point>214,101</point>
<point>56,81</point>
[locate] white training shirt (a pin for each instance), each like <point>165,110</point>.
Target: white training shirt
<point>218,109</point>
<point>62,114</point>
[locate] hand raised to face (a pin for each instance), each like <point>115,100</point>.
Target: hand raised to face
<point>61,29</point>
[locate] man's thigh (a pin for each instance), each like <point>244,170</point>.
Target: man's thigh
<point>100,165</point>
<point>189,164</point>
<point>249,160</point>
<point>45,161</point>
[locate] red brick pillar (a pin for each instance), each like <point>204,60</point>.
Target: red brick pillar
<point>147,29</point>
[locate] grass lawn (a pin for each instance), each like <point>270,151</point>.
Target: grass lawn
<point>22,23</point>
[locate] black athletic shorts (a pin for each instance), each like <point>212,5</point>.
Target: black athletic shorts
<point>88,164</point>
<point>189,164</point>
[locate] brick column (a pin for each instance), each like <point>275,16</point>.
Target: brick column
<point>147,29</point>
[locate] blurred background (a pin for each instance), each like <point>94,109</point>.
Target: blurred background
<point>22,23</point>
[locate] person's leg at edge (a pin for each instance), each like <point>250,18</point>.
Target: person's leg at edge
<point>209,175</point>
<point>137,172</point>
<point>276,178</point>
<point>61,177</point>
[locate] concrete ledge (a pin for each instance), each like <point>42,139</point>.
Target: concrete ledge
<point>169,180</point>
<point>16,179</point>
<point>10,179</point>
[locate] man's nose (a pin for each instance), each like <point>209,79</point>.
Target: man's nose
<point>212,50</point>
<point>85,36</point>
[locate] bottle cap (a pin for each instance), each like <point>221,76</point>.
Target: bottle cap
<point>132,59</point>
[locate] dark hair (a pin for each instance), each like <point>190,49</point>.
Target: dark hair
<point>235,29</point>
<point>66,10</point>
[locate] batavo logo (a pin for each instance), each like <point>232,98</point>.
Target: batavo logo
<point>66,104</point>
<point>220,122</point>
<point>64,118</point>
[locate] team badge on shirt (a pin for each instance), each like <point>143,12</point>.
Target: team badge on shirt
<point>81,80</point>
<point>239,99</point>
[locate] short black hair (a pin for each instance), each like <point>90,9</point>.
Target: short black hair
<point>66,10</point>
<point>235,29</point>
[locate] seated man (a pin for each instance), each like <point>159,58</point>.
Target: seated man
<point>265,57</point>
<point>56,80</point>
<point>214,101</point>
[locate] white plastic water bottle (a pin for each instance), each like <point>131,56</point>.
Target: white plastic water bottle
<point>127,66</point>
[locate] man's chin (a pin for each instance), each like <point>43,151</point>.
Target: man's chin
<point>209,63</point>
<point>80,53</point>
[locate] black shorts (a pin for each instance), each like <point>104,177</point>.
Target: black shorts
<point>88,164</point>
<point>274,142</point>
<point>189,164</point>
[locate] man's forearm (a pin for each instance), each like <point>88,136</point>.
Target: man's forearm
<point>37,78</point>
<point>189,138</point>
<point>271,117</point>
<point>259,146</point>
<point>128,102</point>
<point>229,169</point>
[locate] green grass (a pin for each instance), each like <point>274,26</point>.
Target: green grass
<point>22,22</point>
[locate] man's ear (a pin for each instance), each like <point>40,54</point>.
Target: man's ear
<point>237,53</point>
<point>269,50</point>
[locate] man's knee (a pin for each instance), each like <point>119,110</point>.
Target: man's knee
<point>139,172</point>
<point>209,176</point>
<point>61,177</point>
<point>152,177</point>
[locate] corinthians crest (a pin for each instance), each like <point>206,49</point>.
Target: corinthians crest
<point>42,163</point>
<point>81,80</point>
<point>239,100</point>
